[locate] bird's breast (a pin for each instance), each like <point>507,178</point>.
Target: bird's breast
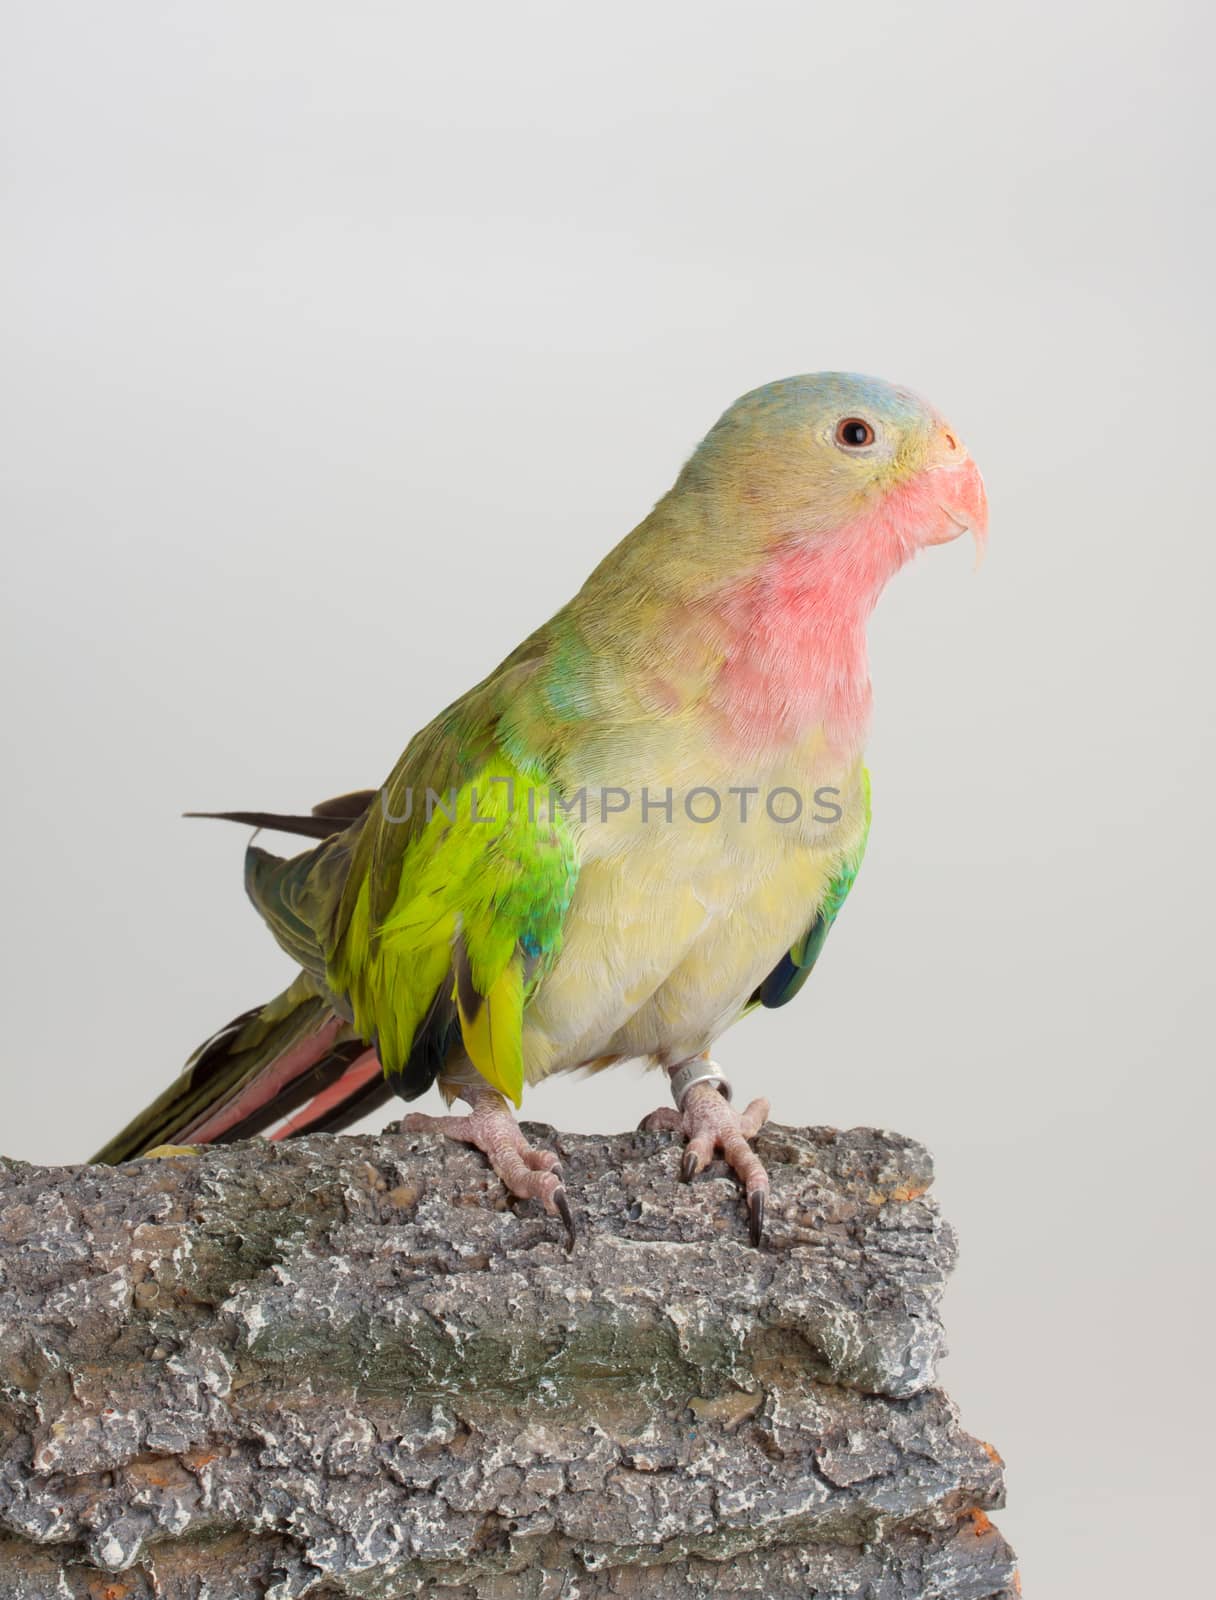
<point>695,877</point>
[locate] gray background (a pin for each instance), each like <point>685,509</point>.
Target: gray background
<point>341,341</point>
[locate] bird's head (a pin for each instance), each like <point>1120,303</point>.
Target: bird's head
<point>836,460</point>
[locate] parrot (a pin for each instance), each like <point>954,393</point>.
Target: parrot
<point>638,829</point>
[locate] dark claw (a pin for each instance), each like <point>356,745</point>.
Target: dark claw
<point>567,1216</point>
<point>688,1166</point>
<point>755,1216</point>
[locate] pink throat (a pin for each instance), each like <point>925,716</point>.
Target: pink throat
<point>796,656</point>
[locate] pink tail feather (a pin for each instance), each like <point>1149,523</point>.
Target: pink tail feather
<point>271,1082</point>
<point>364,1070</point>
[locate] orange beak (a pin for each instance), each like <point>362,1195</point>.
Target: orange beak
<point>961,496</point>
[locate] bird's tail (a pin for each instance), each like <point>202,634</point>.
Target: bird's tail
<point>294,1058</point>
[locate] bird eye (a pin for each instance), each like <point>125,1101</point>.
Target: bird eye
<point>854,432</point>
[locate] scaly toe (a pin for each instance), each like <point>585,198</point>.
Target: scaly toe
<point>420,1122</point>
<point>665,1120</point>
<point>542,1160</point>
<point>710,1123</point>
<point>548,1188</point>
<point>525,1173</point>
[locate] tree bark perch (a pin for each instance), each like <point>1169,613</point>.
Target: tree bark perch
<point>346,1367</point>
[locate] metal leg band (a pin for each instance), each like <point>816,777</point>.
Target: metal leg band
<point>690,1073</point>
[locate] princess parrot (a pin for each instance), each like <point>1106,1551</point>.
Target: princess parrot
<point>595,854</point>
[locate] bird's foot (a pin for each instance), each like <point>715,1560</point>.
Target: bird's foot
<point>528,1174</point>
<point>165,1152</point>
<point>709,1122</point>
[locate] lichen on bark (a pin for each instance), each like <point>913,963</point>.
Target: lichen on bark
<point>347,1367</point>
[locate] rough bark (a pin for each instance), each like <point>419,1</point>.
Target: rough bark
<point>346,1367</point>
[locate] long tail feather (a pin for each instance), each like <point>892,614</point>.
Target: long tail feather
<point>322,822</point>
<point>360,1103</point>
<point>359,1089</point>
<point>309,827</point>
<point>293,1055</point>
<point>299,1093</point>
<point>254,1101</point>
<point>291,1058</point>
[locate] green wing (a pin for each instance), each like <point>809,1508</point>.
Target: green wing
<point>794,968</point>
<point>478,900</point>
<point>297,897</point>
<point>433,918</point>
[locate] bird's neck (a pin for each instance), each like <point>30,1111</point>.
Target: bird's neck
<point>767,662</point>
<point>795,660</point>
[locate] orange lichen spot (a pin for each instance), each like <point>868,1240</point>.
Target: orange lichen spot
<point>991,1451</point>
<point>909,1191</point>
<point>160,1471</point>
<point>1017,1581</point>
<point>980,1522</point>
<point>115,1591</point>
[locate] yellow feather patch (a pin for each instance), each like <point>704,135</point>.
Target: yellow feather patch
<point>493,1035</point>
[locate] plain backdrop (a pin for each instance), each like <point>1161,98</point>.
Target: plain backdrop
<point>340,342</point>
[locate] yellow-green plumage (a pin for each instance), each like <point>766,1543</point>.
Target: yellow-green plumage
<point>482,893</point>
<point>492,929</point>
